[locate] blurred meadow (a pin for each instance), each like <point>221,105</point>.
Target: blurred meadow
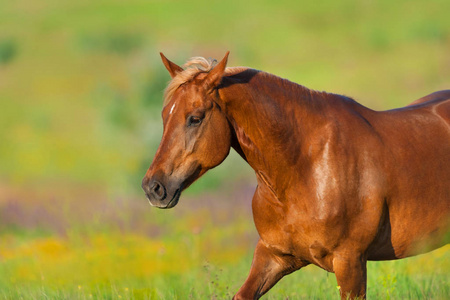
<point>81,85</point>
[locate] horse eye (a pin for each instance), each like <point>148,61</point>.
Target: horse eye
<point>194,121</point>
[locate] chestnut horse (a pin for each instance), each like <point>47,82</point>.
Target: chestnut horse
<point>338,184</point>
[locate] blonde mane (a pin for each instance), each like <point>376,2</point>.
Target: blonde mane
<point>192,67</point>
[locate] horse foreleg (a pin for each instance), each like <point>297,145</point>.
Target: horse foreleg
<point>351,274</point>
<point>267,269</point>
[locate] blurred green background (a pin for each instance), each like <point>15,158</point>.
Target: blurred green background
<point>81,86</point>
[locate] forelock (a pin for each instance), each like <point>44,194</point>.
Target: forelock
<point>192,68</point>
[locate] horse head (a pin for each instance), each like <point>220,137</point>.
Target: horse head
<point>196,136</point>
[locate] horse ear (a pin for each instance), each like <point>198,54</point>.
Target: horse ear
<point>215,75</point>
<point>173,69</point>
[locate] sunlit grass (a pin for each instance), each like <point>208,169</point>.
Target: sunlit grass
<point>197,265</point>
<point>103,262</point>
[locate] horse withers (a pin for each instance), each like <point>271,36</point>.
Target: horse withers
<point>338,184</point>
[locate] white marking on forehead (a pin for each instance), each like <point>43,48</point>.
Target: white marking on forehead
<point>173,106</point>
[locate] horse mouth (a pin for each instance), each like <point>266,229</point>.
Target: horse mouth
<point>173,201</point>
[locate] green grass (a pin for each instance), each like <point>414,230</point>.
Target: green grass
<point>205,265</point>
<point>101,249</point>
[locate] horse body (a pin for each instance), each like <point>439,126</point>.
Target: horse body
<point>338,183</point>
<point>343,167</point>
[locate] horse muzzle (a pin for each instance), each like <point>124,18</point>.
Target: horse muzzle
<point>159,195</point>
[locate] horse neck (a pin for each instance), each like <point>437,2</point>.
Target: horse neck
<point>266,113</point>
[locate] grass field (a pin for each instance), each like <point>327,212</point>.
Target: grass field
<point>124,251</point>
<point>81,87</point>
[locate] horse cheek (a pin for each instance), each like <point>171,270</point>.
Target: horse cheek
<point>219,137</point>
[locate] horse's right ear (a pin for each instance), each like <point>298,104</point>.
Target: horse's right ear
<point>173,69</point>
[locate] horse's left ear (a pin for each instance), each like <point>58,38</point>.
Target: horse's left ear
<point>215,75</point>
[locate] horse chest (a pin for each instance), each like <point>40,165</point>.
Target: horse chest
<point>290,230</point>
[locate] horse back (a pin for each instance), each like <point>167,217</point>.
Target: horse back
<point>438,102</point>
<point>433,97</point>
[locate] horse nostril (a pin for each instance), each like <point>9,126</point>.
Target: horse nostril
<point>157,190</point>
